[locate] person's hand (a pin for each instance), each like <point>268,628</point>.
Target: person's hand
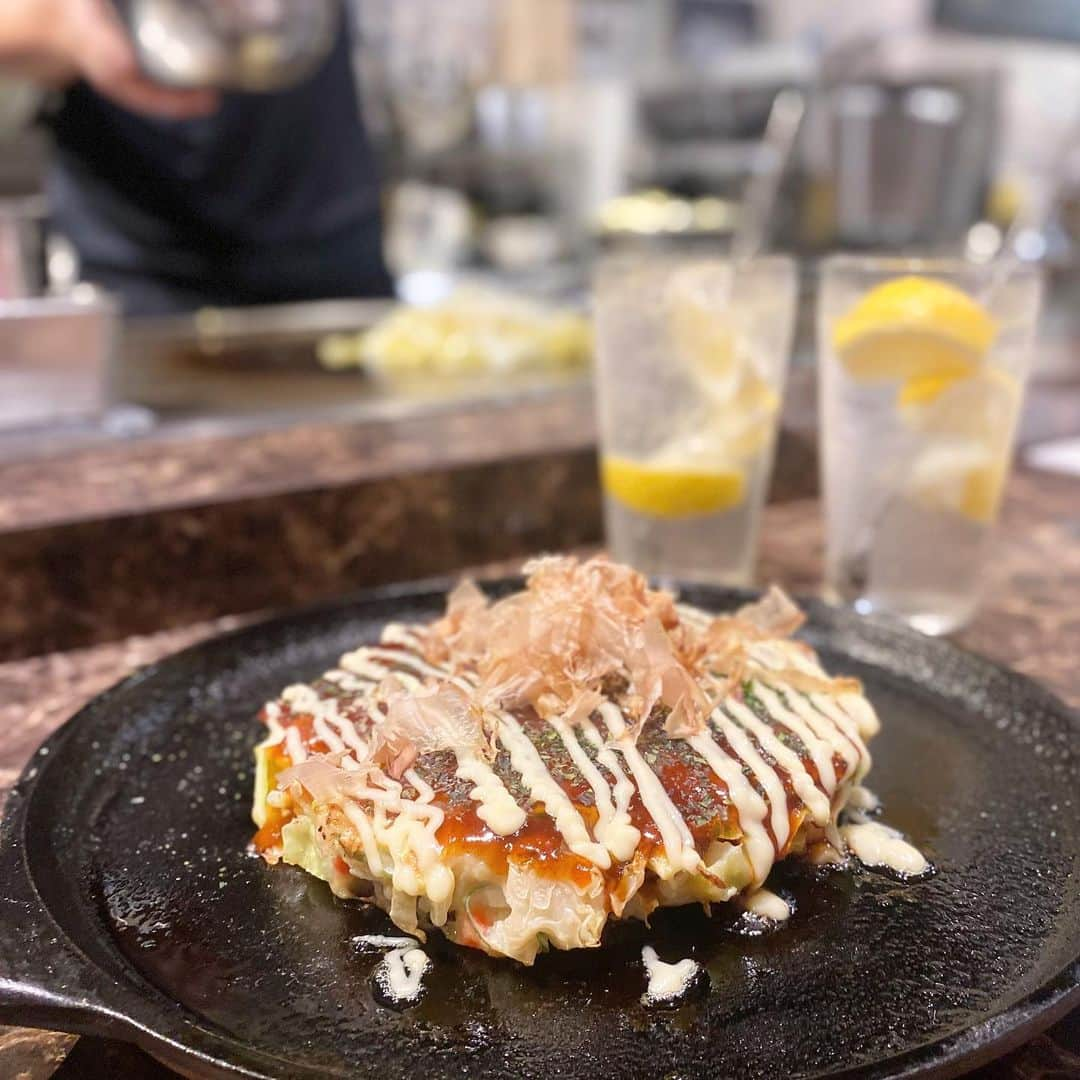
<point>56,41</point>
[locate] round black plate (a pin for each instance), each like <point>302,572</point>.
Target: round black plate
<point>129,906</point>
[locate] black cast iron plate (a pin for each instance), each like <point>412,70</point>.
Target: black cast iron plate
<point>129,906</point>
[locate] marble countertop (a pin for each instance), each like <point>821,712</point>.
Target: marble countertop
<point>106,541</point>
<point>197,463</point>
<point>49,479</point>
<point>1030,620</point>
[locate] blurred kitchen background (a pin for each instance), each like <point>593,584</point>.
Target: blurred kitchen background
<point>517,141</point>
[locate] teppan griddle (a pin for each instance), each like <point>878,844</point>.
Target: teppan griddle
<point>130,908</point>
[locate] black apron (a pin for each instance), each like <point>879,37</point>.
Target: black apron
<point>273,198</point>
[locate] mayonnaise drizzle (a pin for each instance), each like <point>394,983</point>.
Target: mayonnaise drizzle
<point>830,707</point>
<point>425,792</point>
<point>827,730</point>
<point>765,904</point>
<point>302,698</point>
<point>497,808</point>
<point>361,664</point>
<point>778,655</point>
<point>400,974</point>
<point>862,714</point>
<point>348,732</point>
<point>350,682</point>
<point>337,732</point>
<point>819,750</point>
<point>294,745</point>
<point>678,841</point>
<point>624,786</point>
<point>417,868</point>
<point>613,828</point>
<point>334,743</point>
<point>397,659</point>
<point>400,634</point>
<point>766,775</point>
<point>360,821</point>
<point>751,806</point>
<point>815,800</point>
<point>543,788</point>
<point>875,844</point>
<point>667,982</point>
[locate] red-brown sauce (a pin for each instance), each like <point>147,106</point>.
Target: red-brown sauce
<point>538,844</point>
<point>269,835</point>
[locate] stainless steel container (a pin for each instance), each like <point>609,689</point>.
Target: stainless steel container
<point>55,355</point>
<point>909,161</point>
<point>254,45</point>
<point>21,247</point>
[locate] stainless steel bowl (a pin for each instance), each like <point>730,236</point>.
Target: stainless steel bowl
<point>253,45</point>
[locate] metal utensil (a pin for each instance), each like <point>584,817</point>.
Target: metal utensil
<point>759,197</point>
<point>253,45</point>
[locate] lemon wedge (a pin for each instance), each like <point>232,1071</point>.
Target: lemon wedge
<point>913,327</point>
<point>965,478</point>
<point>708,346</point>
<point>982,406</point>
<point>741,428</point>
<point>696,302</point>
<point>983,489</point>
<point>921,390</point>
<point>669,490</point>
<point>756,397</point>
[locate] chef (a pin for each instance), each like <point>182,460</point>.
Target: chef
<point>175,199</point>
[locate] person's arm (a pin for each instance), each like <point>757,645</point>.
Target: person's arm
<point>53,42</point>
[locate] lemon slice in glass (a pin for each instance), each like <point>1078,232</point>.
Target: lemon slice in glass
<point>741,428</point>
<point>984,489</point>
<point>912,327</point>
<point>965,478</point>
<point>671,490</point>
<point>696,306</point>
<point>982,406</point>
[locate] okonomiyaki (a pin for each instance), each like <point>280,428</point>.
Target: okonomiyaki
<point>520,771</point>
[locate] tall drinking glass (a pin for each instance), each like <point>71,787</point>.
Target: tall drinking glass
<point>922,367</point>
<point>691,359</point>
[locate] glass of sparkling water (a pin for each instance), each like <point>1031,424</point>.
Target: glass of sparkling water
<point>691,358</point>
<point>922,366</point>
